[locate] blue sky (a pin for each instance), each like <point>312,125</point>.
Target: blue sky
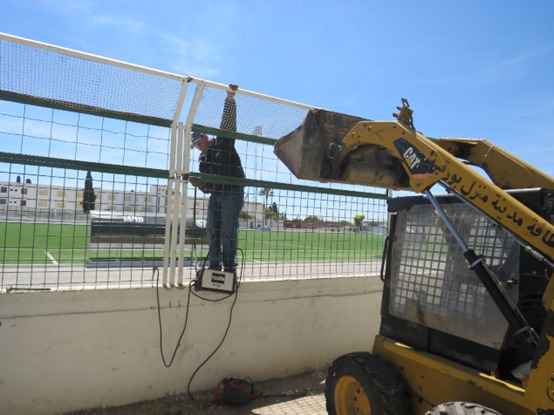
<point>476,69</point>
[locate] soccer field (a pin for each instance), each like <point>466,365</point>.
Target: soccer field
<point>54,243</point>
<point>308,245</point>
<point>43,243</point>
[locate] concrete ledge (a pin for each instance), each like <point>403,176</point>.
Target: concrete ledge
<point>62,351</point>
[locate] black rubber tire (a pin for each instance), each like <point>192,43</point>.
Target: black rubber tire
<point>461,408</point>
<point>364,384</point>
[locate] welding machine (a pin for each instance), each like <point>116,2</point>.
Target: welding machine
<point>216,280</point>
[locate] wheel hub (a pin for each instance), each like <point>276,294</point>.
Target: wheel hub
<point>350,397</point>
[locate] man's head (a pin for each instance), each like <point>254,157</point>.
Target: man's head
<point>200,141</point>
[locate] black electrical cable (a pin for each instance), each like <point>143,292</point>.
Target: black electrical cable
<point>236,293</point>
<point>215,350</point>
<point>160,320</point>
<point>191,286</point>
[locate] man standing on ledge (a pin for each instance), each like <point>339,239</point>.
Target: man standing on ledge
<point>219,156</point>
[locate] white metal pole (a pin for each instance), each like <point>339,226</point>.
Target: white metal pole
<point>184,154</point>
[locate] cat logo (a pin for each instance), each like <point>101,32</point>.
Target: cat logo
<point>417,163</point>
<point>411,158</point>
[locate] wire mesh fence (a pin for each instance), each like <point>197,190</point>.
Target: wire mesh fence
<point>88,188</point>
<point>430,277</point>
<point>302,234</point>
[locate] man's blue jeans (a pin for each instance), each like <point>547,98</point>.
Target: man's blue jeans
<point>222,226</point>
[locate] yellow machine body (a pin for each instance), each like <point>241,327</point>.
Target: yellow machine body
<point>431,380</point>
<point>332,147</point>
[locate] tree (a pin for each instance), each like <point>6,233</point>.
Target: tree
<point>270,214</point>
<point>358,219</point>
<point>89,197</point>
<point>245,215</point>
<point>312,219</point>
<point>266,192</point>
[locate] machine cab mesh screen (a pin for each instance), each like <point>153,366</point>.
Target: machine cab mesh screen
<point>431,283</point>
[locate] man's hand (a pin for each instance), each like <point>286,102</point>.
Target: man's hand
<point>200,185</point>
<point>231,93</point>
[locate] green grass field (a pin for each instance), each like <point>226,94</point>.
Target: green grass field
<point>294,245</point>
<point>37,243</point>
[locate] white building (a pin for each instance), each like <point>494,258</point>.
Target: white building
<point>15,197</point>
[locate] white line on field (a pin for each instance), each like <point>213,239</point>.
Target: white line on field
<point>51,258</point>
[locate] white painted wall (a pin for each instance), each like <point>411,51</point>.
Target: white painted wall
<point>62,351</point>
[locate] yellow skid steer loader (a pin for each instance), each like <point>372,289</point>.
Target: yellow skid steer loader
<point>467,315</point>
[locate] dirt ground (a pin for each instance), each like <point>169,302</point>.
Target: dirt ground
<point>278,396</point>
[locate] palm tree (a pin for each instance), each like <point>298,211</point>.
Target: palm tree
<point>266,192</point>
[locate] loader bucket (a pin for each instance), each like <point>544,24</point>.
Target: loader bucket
<point>307,152</point>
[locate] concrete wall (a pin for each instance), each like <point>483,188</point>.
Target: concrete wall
<point>62,351</point>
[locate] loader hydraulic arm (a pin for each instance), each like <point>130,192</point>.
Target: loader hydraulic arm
<point>504,169</point>
<point>392,154</point>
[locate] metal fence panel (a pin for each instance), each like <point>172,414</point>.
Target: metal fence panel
<point>76,137</point>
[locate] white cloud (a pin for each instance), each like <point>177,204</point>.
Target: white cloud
<point>91,13</point>
<point>512,64</point>
<point>491,70</point>
<point>83,7</point>
<point>546,108</point>
<point>194,57</point>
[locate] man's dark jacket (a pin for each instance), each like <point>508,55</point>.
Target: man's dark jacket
<point>222,158</point>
